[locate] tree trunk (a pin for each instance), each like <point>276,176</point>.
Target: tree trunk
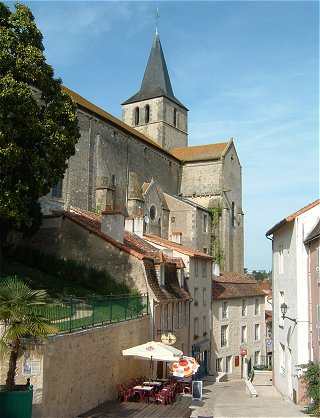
<point>10,382</point>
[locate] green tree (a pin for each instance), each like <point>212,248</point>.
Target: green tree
<point>38,123</point>
<point>312,378</point>
<point>17,313</point>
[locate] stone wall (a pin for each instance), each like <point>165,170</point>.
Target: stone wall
<point>234,321</point>
<point>78,371</point>
<point>104,157</point>
<point>64,238</point>
<point>160,127</point>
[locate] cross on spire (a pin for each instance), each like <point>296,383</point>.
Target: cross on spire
<point>157,17</point>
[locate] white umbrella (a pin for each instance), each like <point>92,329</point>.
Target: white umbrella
<point>154,350</point>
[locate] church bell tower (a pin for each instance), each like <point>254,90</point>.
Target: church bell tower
<point>154,110</point>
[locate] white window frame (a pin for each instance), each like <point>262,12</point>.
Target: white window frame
<point>224,312</point>
<point>224,335</point>
<point>257,332</point>
<point>243,334</point>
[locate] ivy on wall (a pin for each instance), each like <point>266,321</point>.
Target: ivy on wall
<point>216,247</point>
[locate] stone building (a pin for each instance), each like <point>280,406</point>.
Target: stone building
<point>198,278</point>
<point>101,241</point>
<point>238,325</point>
<point>129,164</point>
<point>295,287</point>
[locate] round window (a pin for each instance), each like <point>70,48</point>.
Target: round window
<point>152,212</point>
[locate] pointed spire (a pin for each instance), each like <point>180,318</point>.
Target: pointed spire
<point>156,81</point>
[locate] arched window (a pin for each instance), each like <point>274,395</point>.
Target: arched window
<point>174,117</point>
<point>147,114</point>
<point>136,116</point>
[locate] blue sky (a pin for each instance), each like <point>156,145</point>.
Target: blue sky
<point>247,70</point>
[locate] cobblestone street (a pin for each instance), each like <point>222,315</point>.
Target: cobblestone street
<point>229,399</point>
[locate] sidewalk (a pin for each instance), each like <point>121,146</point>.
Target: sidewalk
<point>229,399</point>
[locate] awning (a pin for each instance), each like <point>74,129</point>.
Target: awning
<point>154,350</point>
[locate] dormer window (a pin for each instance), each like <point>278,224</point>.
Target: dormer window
<point>174,117</point>
<point>147,114</point>
<point>136,116</point>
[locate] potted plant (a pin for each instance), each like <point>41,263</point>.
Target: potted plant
<point>19,320</point>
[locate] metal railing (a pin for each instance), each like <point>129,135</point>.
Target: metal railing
<point>73,313</point>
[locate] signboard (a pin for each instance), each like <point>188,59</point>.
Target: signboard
<point>197,390</point>
<point>243,352</point>
<point>168,339</point>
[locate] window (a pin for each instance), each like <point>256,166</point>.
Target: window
<point>57,190</point>
<point>228,364</point>
<point>244,308</point>
<point>282,359</point>
<point>224,336</point>
<point>174,117</point>
<point>147,114</point>
<point>219,365</point>
<point>256,306</point>
<point>233,214</point>
<point>204,268</point>
<point>205,250</point>
<point>136,116</point>
<point>195,296</point>
<point>204,296</point>
<point>205,223</point>
<point>196,266</point>
<point>204,326</point>
<point>152,212</point>
<point>165,317</point>
<point>256,358</point>
<point>257,332</point>
<point>243,334</point>
<point>224,310</point>
<point>113,180</point>
<point>196,327</point>
<point>281,301</point>
<point>281,261</point>
<point>180,318</point>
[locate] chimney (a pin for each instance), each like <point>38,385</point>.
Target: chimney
<point>112,223</point>
<point>135,225</point>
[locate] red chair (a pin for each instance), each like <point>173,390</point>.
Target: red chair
<point>162,397</point>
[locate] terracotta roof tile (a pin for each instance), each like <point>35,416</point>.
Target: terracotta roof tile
<point>178,247</point>
<point>235,285</point>
<point>292,217</point>
<point>171,289</point>
<point>200,152</point>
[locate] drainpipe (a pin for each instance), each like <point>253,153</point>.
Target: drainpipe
<point>189,331</point>
<point>310,305</point>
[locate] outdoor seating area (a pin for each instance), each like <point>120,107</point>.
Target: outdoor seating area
<point>162,391</point>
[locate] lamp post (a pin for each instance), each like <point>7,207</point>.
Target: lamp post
<point>284,308</point>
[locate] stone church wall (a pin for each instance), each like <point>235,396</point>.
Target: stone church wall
<point>107,154</point>
<point>201,178</point>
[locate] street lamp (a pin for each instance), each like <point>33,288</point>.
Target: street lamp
<point>284,308</point>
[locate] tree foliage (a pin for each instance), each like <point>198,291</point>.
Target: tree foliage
<point>312,379</point>
<point>17,313</point>
<point>38,123</point>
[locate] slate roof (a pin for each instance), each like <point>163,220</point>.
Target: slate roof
<point>156,81</point>
<point>235,285</point>
<point>292,217</point>
<point>314,234</point>
<point>201,152</point>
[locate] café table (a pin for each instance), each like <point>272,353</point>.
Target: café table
<point>143,391</point>
<point>152,383</point>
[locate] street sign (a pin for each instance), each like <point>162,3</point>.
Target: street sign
<point>243,352</point>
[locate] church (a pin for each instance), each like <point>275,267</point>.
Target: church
<point>141,166</point>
